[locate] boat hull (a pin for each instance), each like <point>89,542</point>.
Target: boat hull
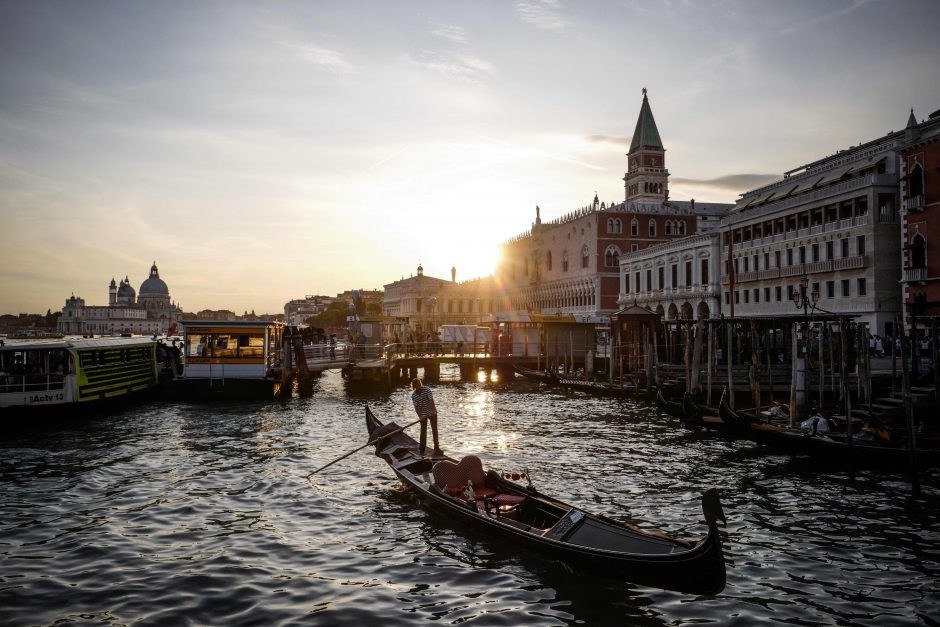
<point>696,568</point>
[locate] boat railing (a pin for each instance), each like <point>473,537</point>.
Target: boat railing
<point>440,349</point>
<point>31,382</point>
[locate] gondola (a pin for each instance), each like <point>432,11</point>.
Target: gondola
<point>525,517</point>
<point>825,445</point>
<point>547,377</point>
<point>599,388</point>
<point>690,413</point>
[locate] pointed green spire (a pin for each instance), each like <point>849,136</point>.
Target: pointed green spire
<point>646,134</point>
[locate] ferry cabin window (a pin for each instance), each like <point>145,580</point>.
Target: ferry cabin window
<point>196,345</point>
<point>251,345</point>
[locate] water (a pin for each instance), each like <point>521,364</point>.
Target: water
<point>179,514</point>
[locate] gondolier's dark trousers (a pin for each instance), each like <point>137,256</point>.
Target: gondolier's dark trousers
<point>424,431</point>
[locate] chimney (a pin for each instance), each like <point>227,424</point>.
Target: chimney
<point>692,202</point>
<point>453,274</point>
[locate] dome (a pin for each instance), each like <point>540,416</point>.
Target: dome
<point>154,285</point>
<point>126,291</point>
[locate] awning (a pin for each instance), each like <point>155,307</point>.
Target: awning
<point>834,175</point>
<point>808,183</point>
<point>781,192</point>
<point>743,203</point>
<point>864,165</point>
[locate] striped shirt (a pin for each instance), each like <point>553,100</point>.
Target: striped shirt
<point>424,402</point>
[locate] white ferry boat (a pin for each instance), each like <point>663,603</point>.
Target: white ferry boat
<point>59,373</point>
<point>232,358</point>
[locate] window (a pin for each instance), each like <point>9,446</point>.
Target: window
<point>649,280</point>
<point>737,297</point>
<point>634,248</point>
<point>652,227</point>
<point>860,245</point>
<point>564,261</point>
<point>548,260</point>
<point>861,287</point>
<point>845,248</point>
<point>662,282</point>
<point>681,228</point>
<point>526,268</point>
<point>704,272</point>
<point>830,289</point>
<point>918,252</point>
<point>756,264</point>
<point>688,274</point>
<point>766,260</point>
<point>668,227</point>
<point>778,293</point>
<point>815,253</point>
<point>675,275</point>
<point>756,295</point>
<point>789,256</point>
<point>747,295</point>
<point>802,254</point>
<point>626,282</point>
<point>766,294</point>
<point>830,255</point>
<point>634,227</point>
<point>777,259</point>
<point>727,298</point>
<point>585,257</point>
<point>845,287</point>
<point>815,288</point>
<point>790,290</point>
<point>614,225</point>
<point>746,268</point>
<point>636,279</point>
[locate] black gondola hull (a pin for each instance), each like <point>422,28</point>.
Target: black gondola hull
<point>696,568</point>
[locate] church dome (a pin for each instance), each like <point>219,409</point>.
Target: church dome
<point>126,291</point>
<point>154,285</point>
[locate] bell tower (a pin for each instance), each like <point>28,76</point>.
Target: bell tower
<point>646,179</point>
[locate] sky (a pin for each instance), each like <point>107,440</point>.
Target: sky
<point>262,151</point>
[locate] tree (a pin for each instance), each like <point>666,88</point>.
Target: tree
<point>334,316</point>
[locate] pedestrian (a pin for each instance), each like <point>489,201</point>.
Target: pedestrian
<point>423,400</point>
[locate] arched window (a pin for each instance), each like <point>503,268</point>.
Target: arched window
<point>526,266</point>
<point>564,261</point>
<point>634,227</point>
<point>681,227</point>
<point>915,182</point>
<point>918,251</point>
<point>618,226</point>
<point>585,257</point>
<point>612,257</point>
<point>668,227</point>
<point>610,225</point>
<point>652,227</point>
<point>548,260</point>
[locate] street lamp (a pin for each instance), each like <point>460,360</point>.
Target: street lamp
<point>800,298</point>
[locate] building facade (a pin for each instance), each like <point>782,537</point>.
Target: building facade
<point>571,265</point>
<point>826,234</point>
<point>423,303</point>
<point>147,312</point>
<point>920,227</point>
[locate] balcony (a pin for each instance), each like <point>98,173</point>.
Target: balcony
<point>912,275</point>
<point>914,203</point>
<point>849,263</point>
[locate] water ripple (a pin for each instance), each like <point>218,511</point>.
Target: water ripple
<point>172,513</point>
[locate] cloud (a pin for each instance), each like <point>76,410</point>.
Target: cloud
<point>326,59</point>
<point>607,139</point>
<point>853,6</point>
<point>451,32</point>
<point>465,67</point>
<point>541,14</point>
<point>731,182</point>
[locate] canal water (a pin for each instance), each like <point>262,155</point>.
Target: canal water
<point>186,514</point>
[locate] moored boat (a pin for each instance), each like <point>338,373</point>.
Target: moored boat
<point>599,388</point>
<point>57,375</point>
<point>524,516</point>
<point>544,376</point>
<point>229,359</point>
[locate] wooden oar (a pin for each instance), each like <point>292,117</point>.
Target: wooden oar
<point>369,443</point>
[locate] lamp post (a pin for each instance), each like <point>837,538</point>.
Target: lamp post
<point>806,302</point>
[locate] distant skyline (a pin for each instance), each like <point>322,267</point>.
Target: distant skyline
<point>259,152</point>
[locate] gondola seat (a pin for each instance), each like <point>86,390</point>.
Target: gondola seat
<point>448,475</point>
<point>453,478</point>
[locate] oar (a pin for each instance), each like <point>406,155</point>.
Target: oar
<point>369,443</point>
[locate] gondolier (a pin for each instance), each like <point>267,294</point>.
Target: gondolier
<point>423,401</point>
